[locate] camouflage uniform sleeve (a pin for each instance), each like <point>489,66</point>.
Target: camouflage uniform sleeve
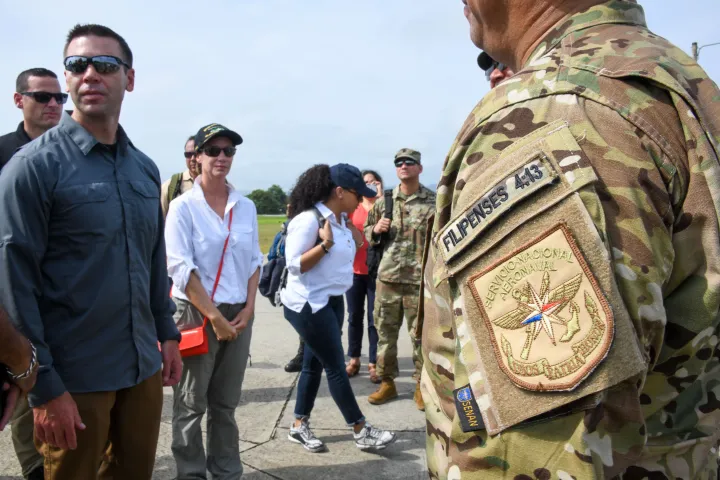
<point>374,216</point>
<point>635,198</point>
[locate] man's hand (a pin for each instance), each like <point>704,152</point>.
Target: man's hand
<point>15,390</point>
<point>13,393</point>
<point>242,319</point>
<point>56,422</point>
<point>223,330</point>
<point>172,363</point>
<point>382,226</point>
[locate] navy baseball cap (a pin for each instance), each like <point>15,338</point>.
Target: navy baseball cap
<point>349,177</point>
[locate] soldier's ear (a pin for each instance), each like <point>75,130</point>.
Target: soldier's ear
<point>18,99</point>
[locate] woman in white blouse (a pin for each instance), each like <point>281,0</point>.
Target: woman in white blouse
<point>214,261</point>
<point>320,271</point>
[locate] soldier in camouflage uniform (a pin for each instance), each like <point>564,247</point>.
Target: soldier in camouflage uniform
<point>572,280</point>
<point>399,278</point>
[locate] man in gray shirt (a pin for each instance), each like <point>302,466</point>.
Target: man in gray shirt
<point>83,271</point>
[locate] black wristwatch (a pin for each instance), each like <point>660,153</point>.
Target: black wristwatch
<point>322,244</point>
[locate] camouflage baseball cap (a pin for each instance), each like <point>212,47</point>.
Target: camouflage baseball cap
<point>215,130</point>
<point>408,153</point>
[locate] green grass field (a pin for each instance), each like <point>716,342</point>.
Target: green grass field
<point>269,226</point>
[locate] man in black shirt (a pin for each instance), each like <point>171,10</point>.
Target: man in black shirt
<point>37,94</point>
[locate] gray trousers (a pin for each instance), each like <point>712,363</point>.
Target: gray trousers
<point>23,437</point>
<point>210,383</point>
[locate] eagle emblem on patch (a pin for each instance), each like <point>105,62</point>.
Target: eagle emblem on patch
<point>550,323</point>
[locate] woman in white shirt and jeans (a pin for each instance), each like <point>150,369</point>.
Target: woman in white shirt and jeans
<point>209,226</point>
<point>320,271</point>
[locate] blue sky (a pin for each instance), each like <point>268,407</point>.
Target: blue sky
<point>304,82</point>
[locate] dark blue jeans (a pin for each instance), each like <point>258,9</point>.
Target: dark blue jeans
<point>323,350</point>
<point>363,286</point>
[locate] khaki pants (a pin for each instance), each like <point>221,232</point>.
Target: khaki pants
<point>23,437</point>
<point>393,302</point>
<point>120,437</point>
<point>210,383</point>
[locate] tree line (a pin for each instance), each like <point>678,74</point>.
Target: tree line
<point>272,201</point>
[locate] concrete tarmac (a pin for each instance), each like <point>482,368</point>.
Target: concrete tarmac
<point>266,411</point>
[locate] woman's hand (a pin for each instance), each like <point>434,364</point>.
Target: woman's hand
<point>326,233</point>
<point>224,331</point>
<point>242,319</point>
<point>357,235</point>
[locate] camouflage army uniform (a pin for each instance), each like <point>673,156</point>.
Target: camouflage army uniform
<point>572,280</point>
<point>399,275</point>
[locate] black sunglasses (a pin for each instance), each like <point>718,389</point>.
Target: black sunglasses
<point>215,151</point>
<point>45,97</point>
<point>489,71</point>
<point>407,161</point>
<point>103,64</point>
<point>189,154</point>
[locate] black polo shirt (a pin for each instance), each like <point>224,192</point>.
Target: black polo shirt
<point>11,142</point>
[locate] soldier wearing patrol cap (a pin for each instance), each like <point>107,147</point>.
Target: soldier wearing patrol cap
<point>571,310</point>
<point>398,278</point>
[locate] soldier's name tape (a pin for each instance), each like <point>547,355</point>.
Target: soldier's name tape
<point>468,410</point>
<point>493,203</point>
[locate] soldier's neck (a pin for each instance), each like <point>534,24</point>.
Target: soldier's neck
<point>533,26</point>
<point>409,187</point>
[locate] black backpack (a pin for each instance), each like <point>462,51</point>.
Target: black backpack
<point>272,272</point>
<point>275,272</point>
<point>375,252</point>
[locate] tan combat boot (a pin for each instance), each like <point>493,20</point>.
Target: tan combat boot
<point>384,393</point>
<point>418,398</point>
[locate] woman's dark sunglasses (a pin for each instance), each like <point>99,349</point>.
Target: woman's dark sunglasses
<point>407,161</point>
<point>45,97</point>
<point>101,63</point>
<point>215,151</point>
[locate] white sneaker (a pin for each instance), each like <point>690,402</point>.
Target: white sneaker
<point>373,438</point>
<point>305,437</point>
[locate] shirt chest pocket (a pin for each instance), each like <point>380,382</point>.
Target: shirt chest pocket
<point>88,210</point>
<point>142,206</point>
<point>538,309</point>
<point>241,238</point>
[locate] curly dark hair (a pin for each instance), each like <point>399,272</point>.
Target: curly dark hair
<point>313,186</point>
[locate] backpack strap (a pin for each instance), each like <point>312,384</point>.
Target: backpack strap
<point>174,186</point>
<point>388,204</point>
<point>319,216</point>
<point>321,222</point>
